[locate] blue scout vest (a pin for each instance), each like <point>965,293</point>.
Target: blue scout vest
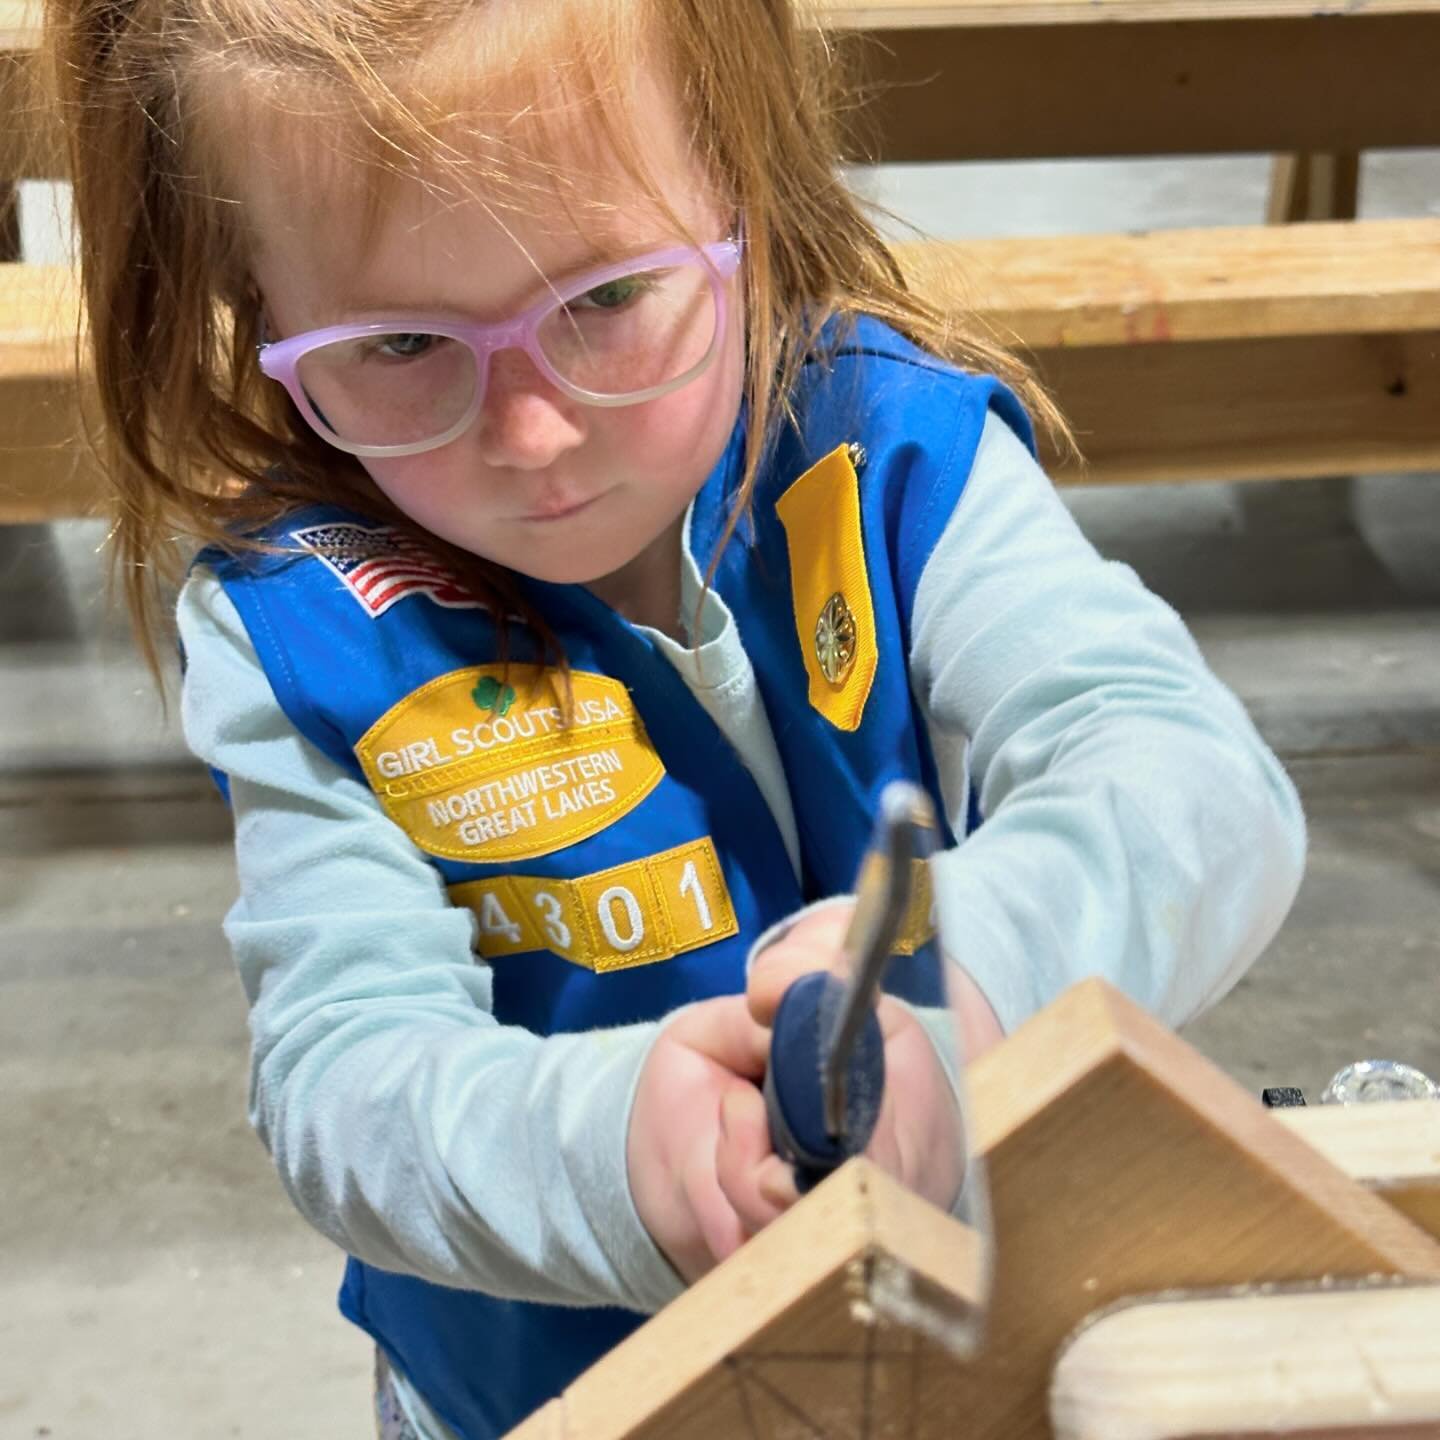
<point>620,865</point>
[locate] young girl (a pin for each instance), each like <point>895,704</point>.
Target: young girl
<point>594,525</point>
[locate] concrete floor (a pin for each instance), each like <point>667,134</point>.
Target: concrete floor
<point>156,1281</point>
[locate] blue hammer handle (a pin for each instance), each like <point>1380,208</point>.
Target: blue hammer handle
<point>795,1085</point>
<point>825,1080</point>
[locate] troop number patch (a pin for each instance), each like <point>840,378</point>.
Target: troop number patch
<point>631,914</point>
<point>483,765</point>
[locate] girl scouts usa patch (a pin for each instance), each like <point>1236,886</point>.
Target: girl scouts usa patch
<point>482,764</point>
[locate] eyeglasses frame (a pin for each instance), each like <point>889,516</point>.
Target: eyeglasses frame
<point>279,359</point>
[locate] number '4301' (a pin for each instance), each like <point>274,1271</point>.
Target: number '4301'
<point>647,910</point>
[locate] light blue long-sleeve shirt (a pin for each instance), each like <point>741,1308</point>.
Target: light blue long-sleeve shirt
<point>1136,828</point>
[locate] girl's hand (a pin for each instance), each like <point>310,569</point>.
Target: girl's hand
<point>918,1135</point>
<point>704,1057</point>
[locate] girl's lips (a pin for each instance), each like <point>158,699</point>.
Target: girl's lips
<point>557,509</point>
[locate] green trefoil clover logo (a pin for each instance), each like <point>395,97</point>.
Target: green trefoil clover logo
<point>490,694</point>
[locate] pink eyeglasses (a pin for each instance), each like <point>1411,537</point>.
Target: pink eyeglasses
<point>619,335</point>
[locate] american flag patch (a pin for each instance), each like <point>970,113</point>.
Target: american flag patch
<point>380,566</point>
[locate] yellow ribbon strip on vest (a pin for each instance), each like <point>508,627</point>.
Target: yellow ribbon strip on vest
<point>834,616</point>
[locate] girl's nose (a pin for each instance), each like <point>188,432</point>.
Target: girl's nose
<point>525,422</point>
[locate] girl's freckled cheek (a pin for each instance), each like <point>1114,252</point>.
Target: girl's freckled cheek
<point>680,427</point>
<point>657,429</point>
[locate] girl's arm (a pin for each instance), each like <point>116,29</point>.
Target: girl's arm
<point>407,1124</point>
<point>1137,827</point>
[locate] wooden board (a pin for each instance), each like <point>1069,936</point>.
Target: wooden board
<point>39,315</point>
<point>998,80</point>
<point>1242,410</point>
<point>20,19</point>
<point>1164,287</point>
<point>1392,1149</point>
<point>1120,1162</point>
<point>1343,1363</point>
<point>46,468</point>
<point>19,24</point>
<point>1159,288</point>
<point>1236,353</point>
<point>1229,354</point>
<point>777,1336</point>
<point>891,15</point>
<point>30,145</point>
<point>47,471</point>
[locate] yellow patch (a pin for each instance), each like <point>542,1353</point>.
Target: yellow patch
<point>633,914</point>
<point>830,587</point>
<point>481,765</point>
<point>919,925</point>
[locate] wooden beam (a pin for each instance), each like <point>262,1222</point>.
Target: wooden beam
<point>31,147</point>
<point>1120,1163</point>
<point>787,1328</point>
<point>996,80</point>
<point>46,468</point>
<point>1249,410</point>
<point>1163,287</point>
<point>47,471</point>
<point>19,24</point>
<point>1215,354</point>
<point>1094,1099</point>
<point>1022,81</point>
<point>1392,1149</point>
<point>899,15</point>
<point>1346,1363</point>
<point>1236,353</point>
<point>39,316</point>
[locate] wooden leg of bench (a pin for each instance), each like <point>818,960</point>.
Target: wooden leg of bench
<point>47,470</point>
<point>1312,186</point>
<point>1306,187</point>
<point>1363,1362</point>
<point>9,221</point>
<point>1309,186</point>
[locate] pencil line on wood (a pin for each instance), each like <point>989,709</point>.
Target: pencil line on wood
<point>737,1374</point>
<point>914,1427</point>
<point>867,1384</point>
<point>787,1404</point>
